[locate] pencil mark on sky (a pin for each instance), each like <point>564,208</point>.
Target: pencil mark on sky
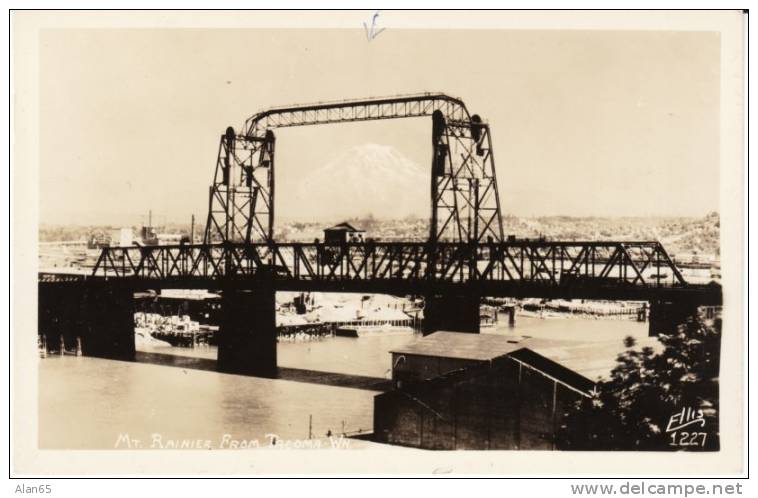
<point>372,33</point>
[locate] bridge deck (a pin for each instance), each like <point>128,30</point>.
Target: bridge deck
<point>548,269</point>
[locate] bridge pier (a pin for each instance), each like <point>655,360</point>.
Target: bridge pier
<point>665,316</point>
<point>451,312</point>
<point>247,335</point>
<point>87,320</point>
<point>60,314</point>
<point>107,323</point>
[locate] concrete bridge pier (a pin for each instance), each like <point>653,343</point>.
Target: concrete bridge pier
<point>60,315</point>
<point>247,335</point>
<point>665,316</point>
<point>107,323</point>
<point>451,312</point>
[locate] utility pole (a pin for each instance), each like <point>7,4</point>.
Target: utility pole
<point>192,230</point>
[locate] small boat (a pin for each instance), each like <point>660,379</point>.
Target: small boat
<point>347,332</point>
<point>372,330</point>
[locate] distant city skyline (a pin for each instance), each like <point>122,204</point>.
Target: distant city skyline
<point>137,220</point>
<point>584,123</point>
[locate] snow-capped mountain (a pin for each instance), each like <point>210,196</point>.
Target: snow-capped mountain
<point>366,179</point>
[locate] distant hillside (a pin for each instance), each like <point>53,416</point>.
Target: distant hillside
<point>679,235</point>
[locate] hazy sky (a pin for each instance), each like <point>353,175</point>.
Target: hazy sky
<point>584,122</point>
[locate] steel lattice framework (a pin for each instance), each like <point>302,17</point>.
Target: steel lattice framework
<point>464,195</point>
<point>552,262</point>
<point>524,268</point>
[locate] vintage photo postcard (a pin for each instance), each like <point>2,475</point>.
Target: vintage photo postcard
<point>378,243</point>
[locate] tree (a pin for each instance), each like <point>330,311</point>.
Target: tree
<point>632,410</point>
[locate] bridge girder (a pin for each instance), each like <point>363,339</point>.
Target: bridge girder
<point>524,268</point>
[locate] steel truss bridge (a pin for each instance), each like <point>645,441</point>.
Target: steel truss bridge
<point>465,250</point>
<point>600,270</point>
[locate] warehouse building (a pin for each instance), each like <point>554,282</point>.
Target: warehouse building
<point>475,391</point>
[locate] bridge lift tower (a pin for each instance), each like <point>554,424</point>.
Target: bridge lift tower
<point>465,206</point>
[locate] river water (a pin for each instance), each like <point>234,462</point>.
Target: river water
<point>91,403</point>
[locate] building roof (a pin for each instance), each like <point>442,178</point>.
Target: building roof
<point>575,362</point>
<point>478,347</point>
<point>592,359</point>
<point>549,367</point>
<point>542,356</point>
<point>345,226</point>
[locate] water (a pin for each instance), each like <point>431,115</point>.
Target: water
<point>90,403</point>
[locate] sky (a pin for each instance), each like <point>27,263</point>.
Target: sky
<point>584,123</point>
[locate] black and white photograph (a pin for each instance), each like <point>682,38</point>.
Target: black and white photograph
<point>377,241</point>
